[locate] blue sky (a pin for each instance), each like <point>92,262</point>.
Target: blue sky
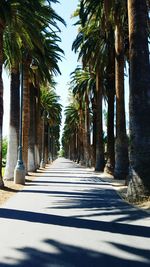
<point>68,34</point>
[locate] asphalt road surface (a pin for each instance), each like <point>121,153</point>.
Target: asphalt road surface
<point>69,217</point>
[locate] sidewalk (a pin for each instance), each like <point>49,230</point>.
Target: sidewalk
<point>67,216</point>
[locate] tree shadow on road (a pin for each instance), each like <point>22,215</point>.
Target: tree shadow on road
<point>65,221</point>
<point>66,255</point>
<point>92,202</point>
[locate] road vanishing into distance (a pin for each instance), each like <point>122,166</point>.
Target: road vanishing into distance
<point>70,217</point>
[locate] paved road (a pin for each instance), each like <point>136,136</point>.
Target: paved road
<point>69,217</point>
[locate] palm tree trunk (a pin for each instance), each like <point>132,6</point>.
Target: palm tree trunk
<point>38,125</point>
<point>49,148</point>
<point>52,144</point>
<point>121,144</point>
<point>139,185</point>
<point>71,148</point>
<point>26,114</point>
<point>81,134</point>
<point>1,103</point>
<point>46,143</point>
<point>78,145</point>
<point>13,135</point>
<point>99,164</point>
<point>94,109</point>
<point>42,164</point>
<point>110,164</point>
<point>75,145</point>
<point>31,147</point>
<point>87,132</point>
<point>109,168</point>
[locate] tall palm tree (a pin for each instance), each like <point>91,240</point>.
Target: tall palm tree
<point>139,185</point>
<point>51,115</point>
<point>30,37</point>
<point>32,164</point>
<point>8,11</point>
<point>99,164</point>
<point>71,133</point>
<point>46,49</point>
<point>3,10</point>
<point>91,49</point>
<point>82,89</point>
<point>109,85</point>
<point>121,144</point>
<point>112,13</point>
<point>50,52</point>
<point>12,58</point>
<point>13,135</point>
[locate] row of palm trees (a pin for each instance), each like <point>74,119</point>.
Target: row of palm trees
<point>111,33</point>
<point>29,32</point>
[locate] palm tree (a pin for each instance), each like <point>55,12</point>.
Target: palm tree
<point>30,37</point>
<point>71,139</point>
<point>107,13</point>
<point>46,54</point>
<point>13,134</point>
<point>11,57</point>
<point>12,50</point>
<point>82,87</point>
<point>47,58</point>
<point>3,10</point>
<point>121,144</point>
<point>8,11</point>
<point>51,115</point>
<point>99,164</point>
<point>139,185</point>
<point>91,52</point>
<point>32,164</point>
<point>109,86</point>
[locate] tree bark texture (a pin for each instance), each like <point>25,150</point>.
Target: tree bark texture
<point>94,109</point>
<point>1,103</point>
<point>81,134</point>
<point>139,185</point>
<point>38,130</point>
<point>26,114</point>
<point>87,147</point>
<point>99,164</point>
<point>110,164</point>
<point>121,144</point>
<point>13,134</point>
<point>46,142</point>
<point>31,143</point>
